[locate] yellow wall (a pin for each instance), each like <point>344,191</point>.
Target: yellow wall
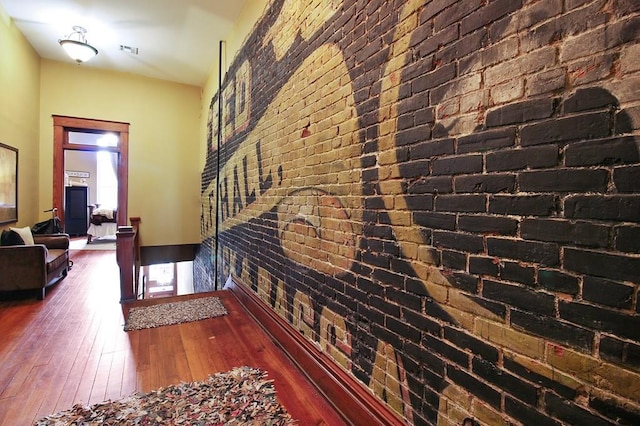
<point>164,180</point>
<point>167,134</point>
<point>19,109</point>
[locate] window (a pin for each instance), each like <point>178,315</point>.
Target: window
<point>107,180</point>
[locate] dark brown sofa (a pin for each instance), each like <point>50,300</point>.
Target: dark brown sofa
<point>34,267</point>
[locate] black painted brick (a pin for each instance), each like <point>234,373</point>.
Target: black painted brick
<point>439,346</point>
<point>391,248</point>
<point>620,352</point>
<point>405,121</point>
<point>564,180</point>
<point>627,120</point>
<point>487,140</point>
<point>520,112</point>
<point>375,259</point>
<point>352,294</point>
<point>384,306</point>
<point>627,179</point>
<point>398,264</point>
<point>558,281</point>
<point>529,251</point>
<point>376,203</point>
<point>487,14</point>
<point>615,412</point>
<point>435,220</point>
<point>456,165</point>
<point>498,308</point>
<point>416,286</point>
<point>519,296</point>
<point>368,286</point>
<point>488,224</point>
<point>543,381</point>
<point>564,231</point>
<point>429,149</point>
<point>632,355</point>
<point>615,207</point>
<point>368,161</point>
<point>599,264</point>
<point>428,185</point>
<point>382,332</point>
<point>430,360</point>
<point>461,203</point>
<point>414,103</point>
<point>606,292</point>
<point>431,43</point>
<point>424,115</point>
<point>477,347</point>
<point>387,277</point>
<point>621,150</point>
<point>583,126</point>
<point>419,202</point>
<point>434,78</point>
<point>475,386</point>
<point>523,205</point>
<point>591,98</point>
<point>403,329</point>
<point>402,154</point>
<point>628,239</point>
<point>463,48</point>
<point>372,316</point>
<point>551,328</point>
<point>454,260</point>
<point>458,241</point>
<point>612,349</point>
<point>513,271</point>
<point>483,266</point>
<point>379,231</point>
<point>519,159</point>
<point>404,299</point>
<point>466,282</point>
<point>411,136</point>
<point>598,318</point>
<point>517,387</point>
<point>414,169</point>
<point>485,183</point>
<point>571,413</point>
<point>421,322</point>
<point>526,414</point>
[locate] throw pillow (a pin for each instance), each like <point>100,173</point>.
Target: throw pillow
<point>26,235</point>
<point>11,238</point>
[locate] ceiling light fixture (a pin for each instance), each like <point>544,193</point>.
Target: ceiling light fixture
<point>76,46</point>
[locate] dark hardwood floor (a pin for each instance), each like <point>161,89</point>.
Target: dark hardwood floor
<point>71,348</point>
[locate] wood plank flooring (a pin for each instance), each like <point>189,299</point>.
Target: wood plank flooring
<point>71,348</point>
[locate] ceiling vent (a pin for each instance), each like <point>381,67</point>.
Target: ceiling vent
<point>129,49</point>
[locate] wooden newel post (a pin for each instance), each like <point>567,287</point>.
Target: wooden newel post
<point>125,256</point>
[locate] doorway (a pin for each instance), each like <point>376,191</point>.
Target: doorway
<point>87,135</point>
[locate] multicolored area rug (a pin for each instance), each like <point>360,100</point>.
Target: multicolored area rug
<point>242,396</point>
<point>174,313</point>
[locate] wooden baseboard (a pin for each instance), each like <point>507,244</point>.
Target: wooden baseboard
<point>349,397</point>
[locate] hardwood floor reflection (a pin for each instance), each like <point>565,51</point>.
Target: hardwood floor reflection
<point>71,348</point>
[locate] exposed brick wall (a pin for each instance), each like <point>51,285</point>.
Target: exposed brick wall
<point>445,196</point>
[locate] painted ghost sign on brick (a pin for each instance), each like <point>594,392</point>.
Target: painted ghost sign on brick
<point>444,196</point>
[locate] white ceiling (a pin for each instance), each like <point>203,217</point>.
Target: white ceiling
<point>178,40</point>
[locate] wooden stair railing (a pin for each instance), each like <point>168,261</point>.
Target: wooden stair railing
<point>128,258</point>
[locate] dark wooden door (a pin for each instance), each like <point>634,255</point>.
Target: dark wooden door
<point>76,210</point>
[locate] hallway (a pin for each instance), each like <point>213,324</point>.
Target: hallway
<point>71,348</point>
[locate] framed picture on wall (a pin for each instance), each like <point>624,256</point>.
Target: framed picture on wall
<point>8,184</point>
